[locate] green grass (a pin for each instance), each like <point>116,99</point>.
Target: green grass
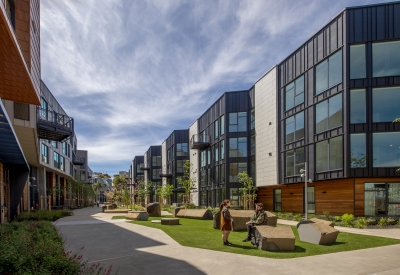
<point>118,217</point>
<point>201,234</point>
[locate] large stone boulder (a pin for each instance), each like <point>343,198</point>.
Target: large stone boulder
<point>240,217</point>
<point>170,221</point>
<point>175,211</point>
<point>137,216</point>
<point>273,238</point>
<point>316,232</point>
<point>154,209</point>
<point>203,214</point>
<point>329,223</point>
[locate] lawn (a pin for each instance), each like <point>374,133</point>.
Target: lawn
<point>201,234</point>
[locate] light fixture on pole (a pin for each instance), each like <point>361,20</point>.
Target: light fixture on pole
<point>304,174</point>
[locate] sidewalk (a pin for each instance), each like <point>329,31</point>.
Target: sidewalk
<point>138,249</point>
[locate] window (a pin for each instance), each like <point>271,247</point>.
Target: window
<point>45,153</point>
<point>386,149</point>
<point>294,162</point>
<point>253,170</point>
<point>252,119</point>
<point>69,150</point>
<point>156,161</point>
<point>156,175</point>
<point>54,144</point>
<point>328,73</point>
<point>44,108</point>
<point>203,196</point>
<point>294,127</point>
<point>278,200</point>
<point>253,145</point>
<point>234,197</point>
<point>238,147</point>
<point>203,178</point>
<point>216,175</point>
<point>235,169</point>
<point>216,128</point>
<point>21,111</point>
<point>138,170</point>
<point>382,199</point>
<point>328,114</point>
<point>168,155</point>
<point>216,153</point>
<point>179,166</point>
<point>208,177</point>
<point>203,158</point>
<point>222,173</point>
<point>357,61</point>
<point>222,125</point>
<point>83,175</point>
<point>358,110</point>
<point>329,154</point>
<point>222,146</point>
<point>238,122</point>
<point>56,162</point>
<point>71,169</point>
<point>386,59</point>
<point>294,93</point>
<point>64,147</point>
<point>310,199</point>
<point>182,149</point>
<point>358,156</point>
<point>209,156</point>
<point>62,163</point>
<point>385,104</point>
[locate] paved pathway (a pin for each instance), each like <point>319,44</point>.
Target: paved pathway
<point>138,249</point>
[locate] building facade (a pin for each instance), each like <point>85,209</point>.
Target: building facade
<point>151,166</point>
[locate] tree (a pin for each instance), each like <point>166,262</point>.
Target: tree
<point>187,182</point>
<point>165,191</point>
<point>144,189</point>
<point>248,191</point>
<point>358,161</point>
<point>96,188</point>
<point>119,184</point>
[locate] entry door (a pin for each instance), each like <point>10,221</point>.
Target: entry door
<point>380,199</point>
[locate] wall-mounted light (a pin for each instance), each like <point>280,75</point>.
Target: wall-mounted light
<point>291,193</point>
<point>323,192</point>
<point>270,123</point>
<point>270,154</point>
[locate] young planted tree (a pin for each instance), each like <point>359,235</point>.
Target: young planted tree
<point>144,189</point>
<point>96,188</point>
<point>187,182</point>
<point>248,191</point>
<point>119,184</point>
<point>165,192</point>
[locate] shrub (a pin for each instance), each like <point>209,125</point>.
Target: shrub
<point>43,215</point>
<point>361,222</point>
<point>312,216</point>
<point>391,221</point>
<point>337,219</point>
<point>287,215</point>
<point>326,214</point>
<point>398,222</point>
<point>371,221</point>
<point>383,221</point>
<point>347,219</point>
<point>189,206</point>
<point>297,217</point>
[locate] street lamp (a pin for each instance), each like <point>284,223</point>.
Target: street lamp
<point>304,174</point>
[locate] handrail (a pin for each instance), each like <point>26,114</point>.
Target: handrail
<point>53,117</point>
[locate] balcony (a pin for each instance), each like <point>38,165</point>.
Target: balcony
<point>144,166</point>
<point>53,126</point>
<point>165,173</point>
<point>199,141</point>
<point>78,161</point>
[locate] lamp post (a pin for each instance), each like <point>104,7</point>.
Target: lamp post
<point>304,174</point>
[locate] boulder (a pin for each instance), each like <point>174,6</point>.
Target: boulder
<point>203,214</point>
<point>170,221</point>
<point>154,209</point>
<point>175,211</point>
<point>273,238</point>
<point>137,216</point>
<point>240,217</point>
<point>316,232</point>
<point>217,220</point>
<point>329,223</point>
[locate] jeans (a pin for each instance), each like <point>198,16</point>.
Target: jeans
<point>249,230</point>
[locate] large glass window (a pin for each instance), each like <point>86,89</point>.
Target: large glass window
<point>394,198</point>
<point>44,106</point>
<point>294,127</point>
<point>203,177</point>
<point>222,172</point>
<point>358,154</point>
<point>216,128</point>
<point>386,149</point>
<point>216,152</point>
<point>357,61</point>
<point>234,197</point>
<point>156,160</point>
<point>238,122</point>
<point>385,104</point>
<point>294,93</point>
<point>64,147</point>
<point>222,125</point>
<point>252,119</point>
<point>179,166</point>
<point>203,158</point>
<point>328,73</point>
<point>328,114</point>
<point>182,149</point>
<point>294,161</point>
<point>156,174</point>
<point>209,156</point>
<point>216,175</point>
<point>253,170</point>
<point>277,200</point>
<point>238,147</point>
<point>253,145</point>
<point>222,146</point>
<point>329,154</point>
<point>386,59</point>
<point>382,199</point>
<point>56,160</point>
<point>54,144</point>
<point>358,109</point>
<point>62,163</point>
<point>45,153</point>
<point>235,169</point>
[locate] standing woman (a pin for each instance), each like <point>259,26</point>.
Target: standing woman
<point>226,221</point>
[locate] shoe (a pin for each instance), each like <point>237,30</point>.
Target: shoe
<point>247,240</point>
<point>227,243</point>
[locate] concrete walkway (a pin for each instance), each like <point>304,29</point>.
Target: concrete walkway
<point>139,249</point>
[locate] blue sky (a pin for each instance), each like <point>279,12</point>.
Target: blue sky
<point>130,72</point>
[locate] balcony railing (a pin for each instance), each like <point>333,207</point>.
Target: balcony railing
<point>144,166</point>
<point>199,141</point>
<point>78,161</point>
<point>165,172</point>
<point>54,126</point>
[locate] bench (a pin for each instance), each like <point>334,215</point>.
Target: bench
<point>117,211</point>
<point>170,221</point>
<point>240,217</point>
<point>202,214</point>
<point>137,216</point>
<point>316,232</point>
<point>273,238</point>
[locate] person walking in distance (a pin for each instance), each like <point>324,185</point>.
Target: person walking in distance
<point>226,221</point>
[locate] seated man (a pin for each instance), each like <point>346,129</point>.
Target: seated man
<point>259,218</point>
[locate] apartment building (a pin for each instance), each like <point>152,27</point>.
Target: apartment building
<point>137,174</point>
<point>151,166</point>
<point>19,87</point>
